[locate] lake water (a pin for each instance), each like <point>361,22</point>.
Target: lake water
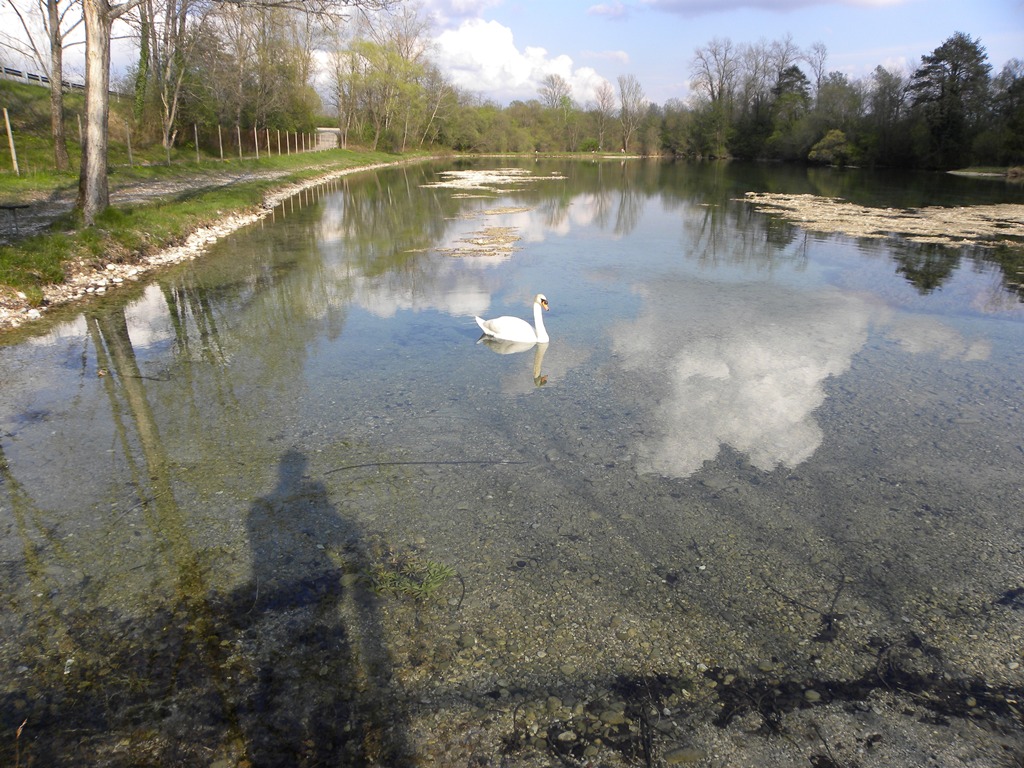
<point>758,501</point>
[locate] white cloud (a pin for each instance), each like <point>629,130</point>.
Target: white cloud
<point>609,10</point>
<point>481,56</point>
<point>620,57</point>
<point>448,12</point>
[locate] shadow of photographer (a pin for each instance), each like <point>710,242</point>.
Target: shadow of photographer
<point>318,675</point>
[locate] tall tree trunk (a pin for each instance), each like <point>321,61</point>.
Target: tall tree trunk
<point>142,76</point>
<point>93,192</point>
<point>60,146</point>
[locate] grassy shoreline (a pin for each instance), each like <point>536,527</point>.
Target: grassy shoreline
<point>208,198</point>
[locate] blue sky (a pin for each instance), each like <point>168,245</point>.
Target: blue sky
<point>502,49</point>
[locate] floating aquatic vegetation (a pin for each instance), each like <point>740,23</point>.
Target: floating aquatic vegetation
<point>488,180</point>
<point>983,225</point>
<point>490,241</point>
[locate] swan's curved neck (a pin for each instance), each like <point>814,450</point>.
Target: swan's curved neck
<point>538,322</point>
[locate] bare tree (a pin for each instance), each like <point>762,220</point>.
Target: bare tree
<point>784,54</point>
<point>59,19</point>
<point>557,95</point>
<point>816,57</point>
<point>604,110</point>
<point>632,108</point>
<point>169,30</point>
<point>757,77</point>
<point>714,69</point>
<point>440,95</point>
<point>554,90</point>
<point>407,32</point>
<point>343,89</point>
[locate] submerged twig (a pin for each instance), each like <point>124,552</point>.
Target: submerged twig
<point>824,741</point>
<point>140,503</point>
<point>462,597</point>
<point>482,462</point>
<point>829,619</point>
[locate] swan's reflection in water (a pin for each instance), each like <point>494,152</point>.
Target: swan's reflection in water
<point>502,347</point>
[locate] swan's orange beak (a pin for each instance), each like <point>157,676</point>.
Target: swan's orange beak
<point>544,303</point>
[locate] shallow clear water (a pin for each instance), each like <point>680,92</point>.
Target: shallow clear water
<point>745,448</point>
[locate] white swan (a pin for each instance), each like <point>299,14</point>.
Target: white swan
<point>508,328</point>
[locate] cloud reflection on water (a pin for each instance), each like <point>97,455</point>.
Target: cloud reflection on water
<point>745,366</point>
<point>736,367</point>
<point>739,366</point>
<point>923,334</point>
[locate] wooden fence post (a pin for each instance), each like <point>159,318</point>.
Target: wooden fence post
<point>256,141</point>
<point>10,140</point>
<point>238,130</point>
